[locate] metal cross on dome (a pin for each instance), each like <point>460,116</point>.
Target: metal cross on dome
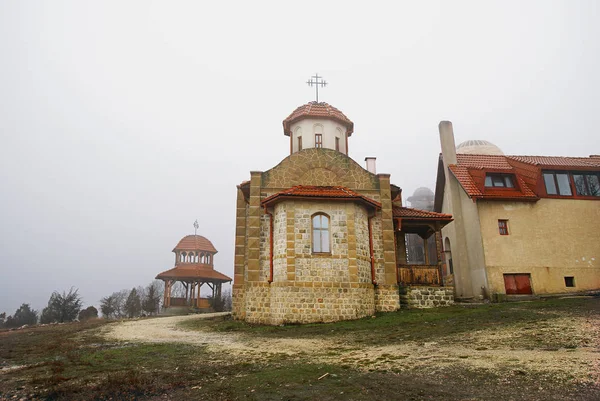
<point>316,83</point>
<point>196,225</point>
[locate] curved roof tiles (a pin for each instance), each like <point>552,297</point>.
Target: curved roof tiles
<point>195,243</point>
<point>320,110</point>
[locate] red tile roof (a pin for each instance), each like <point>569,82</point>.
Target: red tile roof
<point>569,162</point>
<point>483,161</point>
<point>193,271</point>
<point>195,243</point>
<point>320,192</point>
<point>470,171</point>
<point>418,214</point>
<point>466,181</point>
<point>317,110</point>
<point>465,178</point>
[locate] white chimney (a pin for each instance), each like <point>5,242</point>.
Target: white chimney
<point>447,142</point>
<point>371,164</point>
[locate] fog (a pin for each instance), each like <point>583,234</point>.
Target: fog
<point>122,122</point>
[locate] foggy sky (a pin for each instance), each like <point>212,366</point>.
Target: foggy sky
<point>122,122</point>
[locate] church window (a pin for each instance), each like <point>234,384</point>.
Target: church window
<point>318,140</point>
<point>337,143</point>
<point>299,143</point>
<point>318,130</point>
<point>320,233</point>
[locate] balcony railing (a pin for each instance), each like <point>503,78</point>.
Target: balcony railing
<point>419,275</point>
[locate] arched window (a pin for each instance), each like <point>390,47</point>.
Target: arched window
<point>320,233</point>
<point>318,135</point>
<point>338,135</point>
<point>299,139</point>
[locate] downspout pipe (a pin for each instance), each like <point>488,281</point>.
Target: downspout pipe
<point>371,249</point>
<point>270,244</point>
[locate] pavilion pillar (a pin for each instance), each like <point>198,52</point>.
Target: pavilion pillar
<point>165,294</point>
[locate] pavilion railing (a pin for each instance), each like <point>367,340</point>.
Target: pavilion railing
<point>419,275</point>
<point>202,302</point>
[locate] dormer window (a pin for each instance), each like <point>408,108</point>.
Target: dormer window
<point>499,180</point>
<point>587,184</point>
<point>557,184</point>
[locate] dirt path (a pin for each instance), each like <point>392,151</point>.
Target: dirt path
<point>166,330</point>
<point>493,351</point>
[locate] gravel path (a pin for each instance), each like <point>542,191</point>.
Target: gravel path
<point>490,350</point>
<point>166,330</point>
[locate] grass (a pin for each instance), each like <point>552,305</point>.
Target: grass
<point>75,362</point>
<point>421,325</point>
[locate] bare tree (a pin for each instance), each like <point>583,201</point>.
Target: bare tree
<point>178,290</point>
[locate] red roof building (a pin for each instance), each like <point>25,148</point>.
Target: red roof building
<point>522,224</point>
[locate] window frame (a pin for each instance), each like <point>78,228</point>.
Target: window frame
<point>318,140</point>
<point>502,177</point>
<point>503,227</point>
<point>322,237</point>
<point>299,143</point>
<point>554,174</point>
<point>585,175</point>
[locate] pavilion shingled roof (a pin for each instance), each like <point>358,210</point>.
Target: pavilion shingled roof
<point>195,243</point>
<point>193,271</point>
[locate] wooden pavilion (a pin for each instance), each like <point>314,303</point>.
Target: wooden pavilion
<point>194,256</point>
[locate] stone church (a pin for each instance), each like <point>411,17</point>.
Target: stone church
<point>319,238</point>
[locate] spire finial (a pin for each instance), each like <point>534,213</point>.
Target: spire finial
<point>196,225</point>
<point>316,83</point>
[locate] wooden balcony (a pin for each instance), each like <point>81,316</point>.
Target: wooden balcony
<point>420,275</point>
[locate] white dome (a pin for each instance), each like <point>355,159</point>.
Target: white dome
<point>478,147</point>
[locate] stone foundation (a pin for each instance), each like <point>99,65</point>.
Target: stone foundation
<point>387,298</point>
<point>426,297</point>
<point>282,303</point>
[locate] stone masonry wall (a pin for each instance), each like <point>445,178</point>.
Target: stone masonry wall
<point>426,297</point>
<point>361,238</point>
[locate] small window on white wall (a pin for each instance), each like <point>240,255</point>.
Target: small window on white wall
<point>318,129</point>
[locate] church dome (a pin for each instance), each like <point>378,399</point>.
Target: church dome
<point>423,192</point>
<point>317,110</point>
<point>195,243</point>
<point>478,147</point>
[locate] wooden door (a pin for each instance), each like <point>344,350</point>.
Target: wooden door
<point>517,284</point>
